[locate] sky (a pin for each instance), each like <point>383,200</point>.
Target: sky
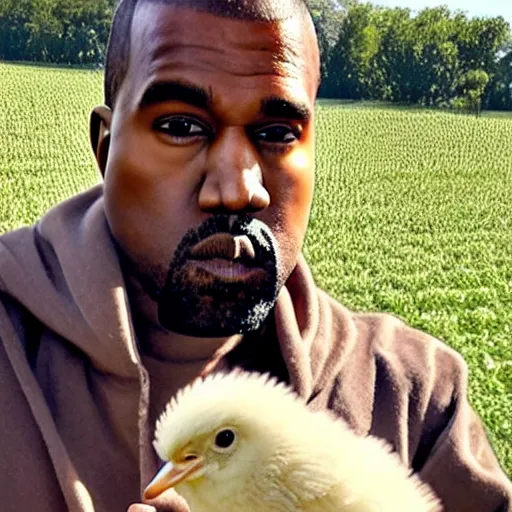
<point>485,8</point>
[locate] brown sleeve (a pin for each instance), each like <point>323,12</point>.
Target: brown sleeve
<point>459,462</point>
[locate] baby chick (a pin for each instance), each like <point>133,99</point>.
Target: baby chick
<point>244,442</point>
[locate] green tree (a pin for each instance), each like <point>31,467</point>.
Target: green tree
<point>63,31</point>
<point>435,57</point>
<point>85,29</point>
<point>474,83</point>
<point>327,16</point>
<point>387,54</point>
<point>500,89</point>
<point>14,15</point>
<point>393,59</point>
<point>350,67</point>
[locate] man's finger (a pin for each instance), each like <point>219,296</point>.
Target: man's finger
<point>137,507</point>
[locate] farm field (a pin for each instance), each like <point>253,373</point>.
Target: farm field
<point>412,213</point>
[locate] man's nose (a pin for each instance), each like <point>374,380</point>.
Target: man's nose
<point>233,179</point>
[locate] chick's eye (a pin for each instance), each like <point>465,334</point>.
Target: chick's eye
<point>180,127</point>
<point>225,438</point>
<point>277,134</point>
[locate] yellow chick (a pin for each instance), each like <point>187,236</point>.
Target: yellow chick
<point>244,442</point>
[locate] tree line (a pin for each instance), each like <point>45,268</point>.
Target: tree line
<point>55,31</point>
<point>437,57</point>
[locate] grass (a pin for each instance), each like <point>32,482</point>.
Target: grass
<point>411,214</point>
<point>44,149</point>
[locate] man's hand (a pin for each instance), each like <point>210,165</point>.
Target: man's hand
<point>168,502</point>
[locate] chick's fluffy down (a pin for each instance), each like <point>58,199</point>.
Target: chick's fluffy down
<point>283,457</point>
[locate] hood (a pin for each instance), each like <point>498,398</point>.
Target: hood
<point>65,271</point>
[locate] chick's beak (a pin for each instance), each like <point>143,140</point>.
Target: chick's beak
<point>170,476</point>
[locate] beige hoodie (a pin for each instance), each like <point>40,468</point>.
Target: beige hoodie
<point>74,394</point>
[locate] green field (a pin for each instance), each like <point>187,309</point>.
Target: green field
<point>412,213</point>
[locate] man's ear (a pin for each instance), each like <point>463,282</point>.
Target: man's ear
<point>99,133</point>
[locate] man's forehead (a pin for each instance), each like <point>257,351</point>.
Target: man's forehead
<point>156,20</point>
<point>159,28</point>
<point>160,32</point>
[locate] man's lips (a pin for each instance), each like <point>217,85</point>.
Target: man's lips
<point>227,257</point>
<point>227,270</point>
<point>225,246</point>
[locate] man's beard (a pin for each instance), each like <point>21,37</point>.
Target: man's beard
<point>201,304</point>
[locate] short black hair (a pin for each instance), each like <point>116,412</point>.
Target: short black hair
<point>118,50</point>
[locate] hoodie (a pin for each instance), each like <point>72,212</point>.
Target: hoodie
<point>75,388</point>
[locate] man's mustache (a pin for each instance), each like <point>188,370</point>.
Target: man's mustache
<point>230,237</point>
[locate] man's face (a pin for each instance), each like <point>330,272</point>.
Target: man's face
<point>210,170</point>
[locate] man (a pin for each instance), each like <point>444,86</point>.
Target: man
<point>188,260</point>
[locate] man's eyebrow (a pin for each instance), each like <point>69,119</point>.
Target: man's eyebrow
<point>279,107</point>
<point>160,92</point>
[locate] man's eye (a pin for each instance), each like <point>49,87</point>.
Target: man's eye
<point>180,127</point>
<point>277,134</point>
